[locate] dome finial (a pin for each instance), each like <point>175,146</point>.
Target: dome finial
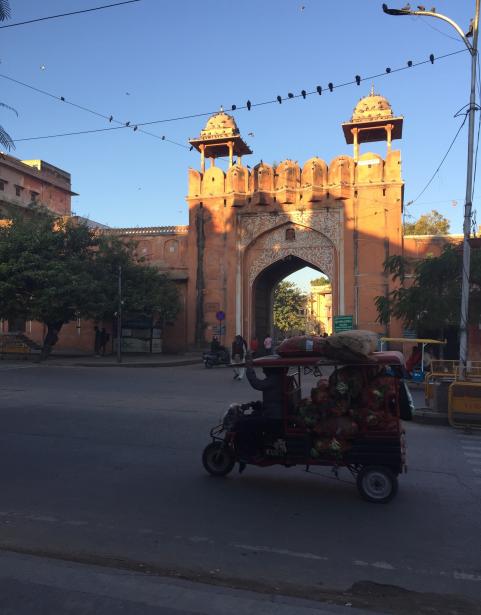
<point>222,108</point>
<point>372,89</point>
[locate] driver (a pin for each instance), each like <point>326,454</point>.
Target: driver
<point>251,428</point>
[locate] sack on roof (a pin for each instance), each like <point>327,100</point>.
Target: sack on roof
<point>348,346</point>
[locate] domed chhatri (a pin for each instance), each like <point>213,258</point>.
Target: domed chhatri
<point>220,124</point>
<point>372,107</point>
<point>219,138</point>
<point>372,120</point>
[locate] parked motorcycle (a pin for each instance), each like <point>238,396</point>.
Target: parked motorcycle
<point>212,359</point>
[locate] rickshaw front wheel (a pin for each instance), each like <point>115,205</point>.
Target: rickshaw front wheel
<point>377,484</point>
<point>218,459</point>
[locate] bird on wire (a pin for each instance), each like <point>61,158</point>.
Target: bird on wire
<point>469,33</point>
<point>406,7</point>
<point>421,7</point>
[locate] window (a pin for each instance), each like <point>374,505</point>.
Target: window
<point>33,196</point>
<point>290,234</point>
<point>2,184</point>
<point>18,190</point>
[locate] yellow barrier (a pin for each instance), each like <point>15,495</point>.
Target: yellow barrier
<point>464,399</point>
<point>440,368</point>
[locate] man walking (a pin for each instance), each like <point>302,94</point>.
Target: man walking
<point>239,348</point>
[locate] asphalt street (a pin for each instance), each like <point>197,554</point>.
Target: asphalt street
<point>103,467</point>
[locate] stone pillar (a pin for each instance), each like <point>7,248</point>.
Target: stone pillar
<point>202,158</point>
<point>355,133</point>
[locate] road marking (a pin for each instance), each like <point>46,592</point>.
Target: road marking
<point>469,454</point>
<point>471,448</point>
<point>474,462</point>
<point>466,576</point>
<point>281,552</point>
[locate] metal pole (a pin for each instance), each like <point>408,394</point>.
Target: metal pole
<point>473,50</point>
<point>119,319</point>
<point>463,324</point>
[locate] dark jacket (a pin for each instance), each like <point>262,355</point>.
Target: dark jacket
<point>239,347</point>
<point>271,388</point>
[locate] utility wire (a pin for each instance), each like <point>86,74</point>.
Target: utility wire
<point>441,163</point>
<point>137,125</point>
<point>97,8</point>
<point>86,109</point>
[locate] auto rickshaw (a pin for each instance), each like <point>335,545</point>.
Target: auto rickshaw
<point>350,420</point>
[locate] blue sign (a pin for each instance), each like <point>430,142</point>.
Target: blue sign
<point>220,315</point>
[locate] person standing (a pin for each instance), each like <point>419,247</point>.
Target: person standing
<point>239,348</point>
<point>254,345</point>
<point>268,344</point>
<point>104,338</point>
<point>97,341</point>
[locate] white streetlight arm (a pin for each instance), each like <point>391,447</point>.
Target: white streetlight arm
<point>431,14</point>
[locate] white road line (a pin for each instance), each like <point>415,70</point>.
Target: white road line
<point>474,455</point>
<point>281,552</point>
<point>471,448</point>
<point>474,462</point>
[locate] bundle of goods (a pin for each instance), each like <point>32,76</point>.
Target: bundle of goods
<point>302,345</point>
<point>347,347</point>
<point>355,400</point>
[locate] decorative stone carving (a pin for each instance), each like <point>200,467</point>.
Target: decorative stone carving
<point>327,221</point>
<point>309,245</point>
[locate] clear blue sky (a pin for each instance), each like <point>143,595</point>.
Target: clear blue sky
<point>156,59</point>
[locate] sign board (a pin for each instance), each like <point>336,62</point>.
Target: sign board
<point>218,330</point>
<point>409,333</point>
<point>343,323</point>
<point>220,315</point>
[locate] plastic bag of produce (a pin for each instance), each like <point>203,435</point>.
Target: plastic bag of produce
<point>359,343</point>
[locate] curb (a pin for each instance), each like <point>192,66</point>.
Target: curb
<point>152,364</point>
<point>430,417</point>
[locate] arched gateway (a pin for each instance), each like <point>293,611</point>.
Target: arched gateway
<point>249,228</point>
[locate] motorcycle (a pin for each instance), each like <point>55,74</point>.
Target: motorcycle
<point>212,359</point>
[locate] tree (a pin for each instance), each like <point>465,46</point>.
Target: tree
<point>432,300</point>
<point>432,223</point>
<point>321,281</point>
<point>289,305</point>
<point>5,138</point>
<point>54,270</point>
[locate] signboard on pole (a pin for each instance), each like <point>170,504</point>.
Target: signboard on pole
<point>343,323</point>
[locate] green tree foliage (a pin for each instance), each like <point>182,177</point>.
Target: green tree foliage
<point>54,270</point>
<point>289,303</point>
<point>431,298</point>
<point>432,223</point>
<point>321,281</point>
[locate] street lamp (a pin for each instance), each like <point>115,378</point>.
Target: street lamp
<point>473,50</point>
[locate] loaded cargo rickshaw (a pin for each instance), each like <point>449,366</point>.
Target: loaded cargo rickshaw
<point>350,419</point>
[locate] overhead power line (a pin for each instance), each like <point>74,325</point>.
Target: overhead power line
<point>248,105</point>
<point>96,8</point>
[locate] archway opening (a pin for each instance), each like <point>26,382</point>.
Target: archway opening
<point>314,314</point>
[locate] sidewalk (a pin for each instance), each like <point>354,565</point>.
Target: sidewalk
<point>128,360</point>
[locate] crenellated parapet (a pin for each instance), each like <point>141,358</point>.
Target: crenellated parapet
<point>288,183</point>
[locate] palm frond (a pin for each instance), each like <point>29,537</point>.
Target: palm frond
<point>8,106</point>
<point>6,139</point>
<point>4,10</point>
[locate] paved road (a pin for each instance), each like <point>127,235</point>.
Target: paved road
<point>103,467</point>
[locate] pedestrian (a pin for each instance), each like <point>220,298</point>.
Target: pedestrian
<point>239,348</point>
<point>268,344</point>
<point>104,338</point>
<point>97,341</point>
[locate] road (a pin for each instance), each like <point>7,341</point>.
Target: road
<point>102,466</point>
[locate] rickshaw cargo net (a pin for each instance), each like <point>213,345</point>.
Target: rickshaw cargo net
<point>348,346</point>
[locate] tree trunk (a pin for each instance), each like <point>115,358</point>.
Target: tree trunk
<point>53,329</point>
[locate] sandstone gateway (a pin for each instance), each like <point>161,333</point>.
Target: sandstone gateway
<point>250,228</point>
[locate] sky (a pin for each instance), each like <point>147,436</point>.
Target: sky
<point>156,60</point>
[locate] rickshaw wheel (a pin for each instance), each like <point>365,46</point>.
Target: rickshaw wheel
<point>218,459</point>
<point>377,484</point>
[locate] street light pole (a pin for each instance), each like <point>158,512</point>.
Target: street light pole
<point>473,50</point>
